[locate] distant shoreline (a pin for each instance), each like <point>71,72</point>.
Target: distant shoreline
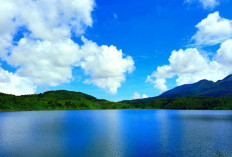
<point>106,110</point>
<point>68,100</point>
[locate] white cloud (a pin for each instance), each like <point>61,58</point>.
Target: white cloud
<point>51,63</point>
<point>14,84</point>
<point>45,62</point>
<point>159,83</point>
<point>106,65</point>
<point>47,20</point>
<point>46,54</point>
<point>189,66</point>
<point>224,54</point>
<point>212,30</point>
<point>144,96</point>
<point>7,26</point>
<point>209,4</point>
<point>138,96</point>
<point>206,4</point>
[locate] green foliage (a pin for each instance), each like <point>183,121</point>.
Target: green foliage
<point>66,100</point>
<point>55,100</point>
<point>190,103</point>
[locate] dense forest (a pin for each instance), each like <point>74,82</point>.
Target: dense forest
<point>184,103</point>
<point>55,100</point>
<point>67,100</point>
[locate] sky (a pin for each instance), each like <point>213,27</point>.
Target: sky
<point>113,49</point>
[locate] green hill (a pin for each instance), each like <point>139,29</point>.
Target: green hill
<point>55,100</point>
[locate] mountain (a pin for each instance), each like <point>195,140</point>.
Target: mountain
<point>200,95</point>
<point>203,88</point>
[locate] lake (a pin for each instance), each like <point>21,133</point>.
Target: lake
<point>115,133</point>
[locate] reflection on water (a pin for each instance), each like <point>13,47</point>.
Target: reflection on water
<point>110,133</point>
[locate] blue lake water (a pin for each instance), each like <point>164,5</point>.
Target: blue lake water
<point>115,133</point>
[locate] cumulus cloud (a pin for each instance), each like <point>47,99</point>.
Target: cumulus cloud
<point>144,96</point>
<point>138,96</point>
<point>14,84</point>
<point>46,54</point>
<point>224,53</point>
<point>213,29</point>
<point>190,66</point>
<point>106,65</point>
<point>206,4</point>
<point>45,62</point>
<point>46,20</point>
<point>159,83</point>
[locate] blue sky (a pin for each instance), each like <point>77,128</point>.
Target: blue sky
<point>147,30</point>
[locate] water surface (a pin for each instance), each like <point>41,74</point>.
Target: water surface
<point>115,133</point>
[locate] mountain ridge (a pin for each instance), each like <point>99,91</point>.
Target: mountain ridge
<point>202,88</point>
<point>202,95</point>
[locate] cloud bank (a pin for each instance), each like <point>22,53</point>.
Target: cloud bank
<point>46,54</point>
